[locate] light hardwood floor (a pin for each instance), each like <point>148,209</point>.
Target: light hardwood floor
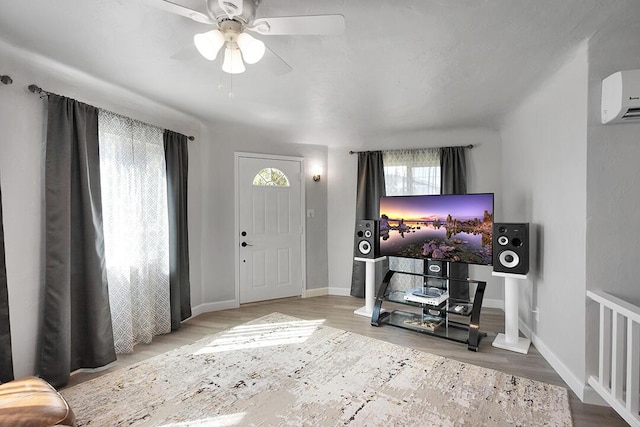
<point>338,313</point>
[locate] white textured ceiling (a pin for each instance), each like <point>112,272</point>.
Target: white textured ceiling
<point>400,65</point>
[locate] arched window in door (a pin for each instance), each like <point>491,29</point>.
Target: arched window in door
<point>271,177</point>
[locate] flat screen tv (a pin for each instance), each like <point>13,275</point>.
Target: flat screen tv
<point>451,227</point>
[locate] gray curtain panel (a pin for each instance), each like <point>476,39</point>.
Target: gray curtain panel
<point>76,330</point>
<point>370,188</point>
<point>453,180</point>
<point>453,170</point>
<point>177,161</point>
<point>6,359</point>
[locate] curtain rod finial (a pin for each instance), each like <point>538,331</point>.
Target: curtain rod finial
<point>34,88</point>
<point>191,138</point>
<point>38,91</point>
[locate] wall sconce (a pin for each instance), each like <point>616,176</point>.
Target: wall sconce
<point>317,171</point>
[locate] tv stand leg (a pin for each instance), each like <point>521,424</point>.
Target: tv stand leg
<point>475,335</point>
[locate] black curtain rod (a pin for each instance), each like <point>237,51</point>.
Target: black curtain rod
<point>470,146</point>
<point>43,94</point>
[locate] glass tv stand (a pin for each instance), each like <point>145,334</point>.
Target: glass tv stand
<point>431,309</point>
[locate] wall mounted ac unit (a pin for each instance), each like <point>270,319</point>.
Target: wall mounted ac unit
<point>621,97</point>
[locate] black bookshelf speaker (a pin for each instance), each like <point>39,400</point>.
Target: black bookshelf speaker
<point>511,248</point>
<point>367,238</point>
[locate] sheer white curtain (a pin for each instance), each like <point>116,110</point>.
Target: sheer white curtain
<point>410,172</point>
<point>136,234</point>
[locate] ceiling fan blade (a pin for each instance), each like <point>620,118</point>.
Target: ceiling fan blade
<point>274,63</point>
<point>299,25</point>
<point>182,11</point>
<point>231,7</point>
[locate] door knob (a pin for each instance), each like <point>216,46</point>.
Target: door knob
<point>245,244</point>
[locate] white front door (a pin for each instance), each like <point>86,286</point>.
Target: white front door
<point>270,227</point>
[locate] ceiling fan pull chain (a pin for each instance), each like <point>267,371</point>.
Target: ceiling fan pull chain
<point>231,95</point>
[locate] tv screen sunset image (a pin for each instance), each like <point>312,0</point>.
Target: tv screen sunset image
<point>454,228</point>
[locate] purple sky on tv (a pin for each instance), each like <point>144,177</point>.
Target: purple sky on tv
<point>436,205</point>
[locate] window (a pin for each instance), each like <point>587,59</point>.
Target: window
<point>408,172</point>
<point>271,177</point>
<point>136,230</point>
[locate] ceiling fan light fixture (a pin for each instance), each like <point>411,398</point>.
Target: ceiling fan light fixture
<point>252,49</point>
<point>233,61</point>
<point>209,43</point>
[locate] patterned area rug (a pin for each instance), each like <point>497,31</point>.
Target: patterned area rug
<point>279,370</point>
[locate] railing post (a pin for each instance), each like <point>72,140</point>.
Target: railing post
<point>617,357</point>
<point>604,365</point>
<point>633,366</point>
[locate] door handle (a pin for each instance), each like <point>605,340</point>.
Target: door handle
<point>245,244</point>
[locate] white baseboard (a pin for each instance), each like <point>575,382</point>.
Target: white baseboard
<point>225,305</point>
<point>526,330</point>
<point>341,292</point>
<point>583,390</point>
<point>565,373</point>
<point>493,303</point>
<point>318,292</point>
<point>591,397</point>
<point>214,306</point>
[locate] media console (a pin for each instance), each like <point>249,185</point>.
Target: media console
<point>423,310</point>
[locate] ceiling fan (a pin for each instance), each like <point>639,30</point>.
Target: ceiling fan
<point>233,20</point>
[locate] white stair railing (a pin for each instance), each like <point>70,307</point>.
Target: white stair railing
<point>618,380</point>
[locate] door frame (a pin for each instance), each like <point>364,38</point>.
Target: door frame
<point>303,236</point>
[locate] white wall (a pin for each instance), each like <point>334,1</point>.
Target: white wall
<point>613,180</point>
<point>219,143</point>
<point>21,146</point>
<point>22,124</point>
<point>613,183</point>
<point>544,161</point>
<point>341,211</point>
<point>484,167</point>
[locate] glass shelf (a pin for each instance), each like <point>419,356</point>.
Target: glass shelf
<point>445,328</point>
<point>453,319</point>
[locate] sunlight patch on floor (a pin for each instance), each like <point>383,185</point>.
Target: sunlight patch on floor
<point>262,335</point>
